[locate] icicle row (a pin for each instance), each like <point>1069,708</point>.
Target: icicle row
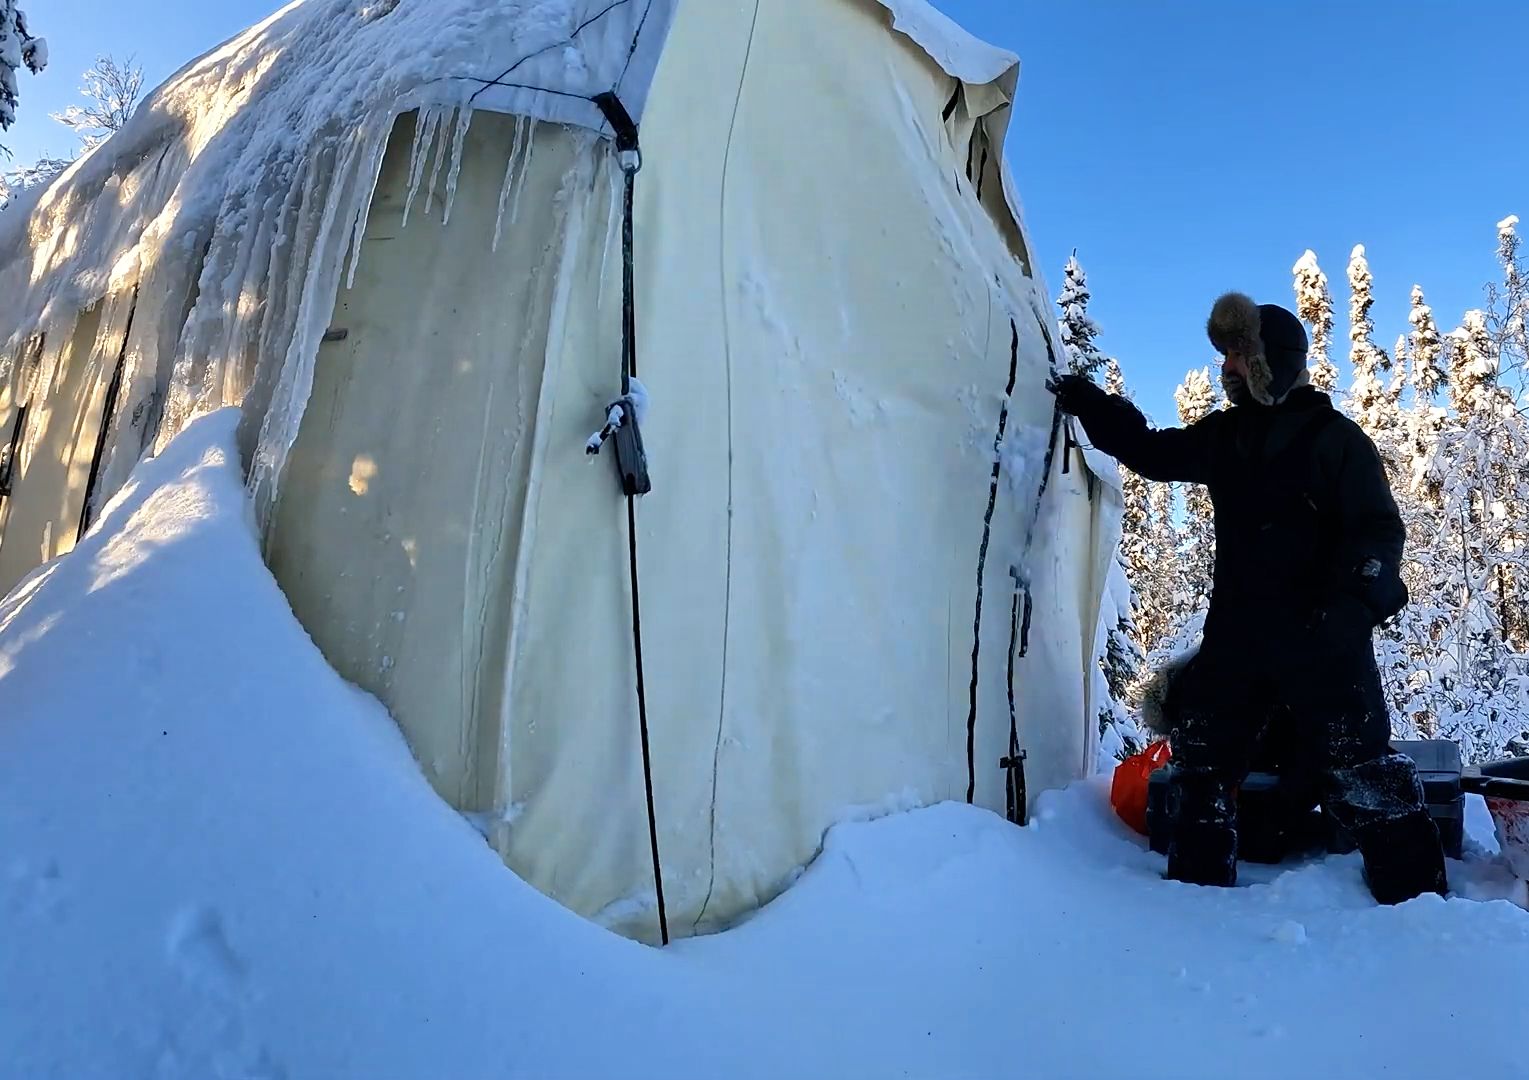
<point>509,177</point>
<point>520,183</point>
<point>424,140</point>
<point>206,332</point>
<point>348,186</point>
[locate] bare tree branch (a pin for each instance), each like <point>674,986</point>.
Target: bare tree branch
<point>111,92</point>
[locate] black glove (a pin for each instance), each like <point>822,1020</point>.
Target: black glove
<point>1382,589</point>
<point>1076,394</point>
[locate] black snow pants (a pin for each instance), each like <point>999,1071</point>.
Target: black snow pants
<point>1324,706</point>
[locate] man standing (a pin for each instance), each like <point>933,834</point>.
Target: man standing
<point>1308,550</point>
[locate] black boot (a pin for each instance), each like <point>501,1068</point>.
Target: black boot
<point>1380,802</point>
<point>1403,859</point>
<point>1203,850</point>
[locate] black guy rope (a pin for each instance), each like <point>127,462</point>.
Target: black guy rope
<point>630,460</point>
<point>1021,608</point>
<point>987,532</point>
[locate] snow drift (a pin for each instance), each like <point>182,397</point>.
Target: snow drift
<point>221,860</point>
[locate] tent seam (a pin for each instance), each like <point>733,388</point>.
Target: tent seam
<point>727,352</point>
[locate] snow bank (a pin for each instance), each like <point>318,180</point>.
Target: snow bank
<point>220,860</point>
<point>224,855</point>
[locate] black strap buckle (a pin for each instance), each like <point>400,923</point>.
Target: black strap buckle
<point>631,458</point>
<point>625,128</point>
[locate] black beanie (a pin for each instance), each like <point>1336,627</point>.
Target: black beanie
<point>1272,339</point>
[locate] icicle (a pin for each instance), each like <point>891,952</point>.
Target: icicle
<point>509,177</point>
<point>419,133</point>
<point>440,159</point>
<point>245,286</point>
<point>294,371</point>
<point>464,121</point>
<point>424,140</point>
<point>525,167</point>
<point>298,243</point>
<point>378,135</point>
<point>612,225</point>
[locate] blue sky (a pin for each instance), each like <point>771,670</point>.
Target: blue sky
<point>1183,148</point>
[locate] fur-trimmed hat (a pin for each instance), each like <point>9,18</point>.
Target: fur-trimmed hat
<point>1270,337</point>
<point>1153,705</point>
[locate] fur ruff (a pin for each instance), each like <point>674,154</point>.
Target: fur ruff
<point>1233,326</point>
<point>1154,695</point>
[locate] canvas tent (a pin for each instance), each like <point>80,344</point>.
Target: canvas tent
<point>392,232</point>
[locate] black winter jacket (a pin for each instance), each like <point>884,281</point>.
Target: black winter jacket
<point>1308,536</point>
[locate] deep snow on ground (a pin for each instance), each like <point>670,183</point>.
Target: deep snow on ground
<point>219,860</point>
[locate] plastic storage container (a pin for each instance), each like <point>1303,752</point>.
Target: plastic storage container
<point>1504,785</point>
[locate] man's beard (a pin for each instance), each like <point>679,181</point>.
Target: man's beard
<point>1236,389</point>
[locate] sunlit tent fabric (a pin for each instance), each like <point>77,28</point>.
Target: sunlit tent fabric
<point>392,233</point>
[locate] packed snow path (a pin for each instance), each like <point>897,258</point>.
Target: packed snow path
<point>219,860</point>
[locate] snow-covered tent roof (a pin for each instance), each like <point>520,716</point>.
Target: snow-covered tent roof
<point>243,115</point>
<point>409,212</point>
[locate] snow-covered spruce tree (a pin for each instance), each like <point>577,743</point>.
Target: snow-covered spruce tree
<point>1398,381</point>
<point>1507,321</point>
<point>18,48</point>
<point>1078,328</point>
<point>1314,306</point>
<point>1411,646</point>
<point>1165,630</point>
<point>1471,366</point>
<point>1135,524</point>
<point>1196,398</point>
<point>1422,424</point>
<point>1406,645</point>
<point>1119,669</point>
<point>1114,378</point>
<point>1508,304</point>
<point>1157,583</point>
<point>1426,348</point>
<point>1476,669</point>
<point>1370,402</point>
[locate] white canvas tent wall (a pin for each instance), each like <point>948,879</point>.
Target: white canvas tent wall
<point>837,312</point>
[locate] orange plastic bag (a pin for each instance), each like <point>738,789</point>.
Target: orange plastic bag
<point>1128,790</point>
